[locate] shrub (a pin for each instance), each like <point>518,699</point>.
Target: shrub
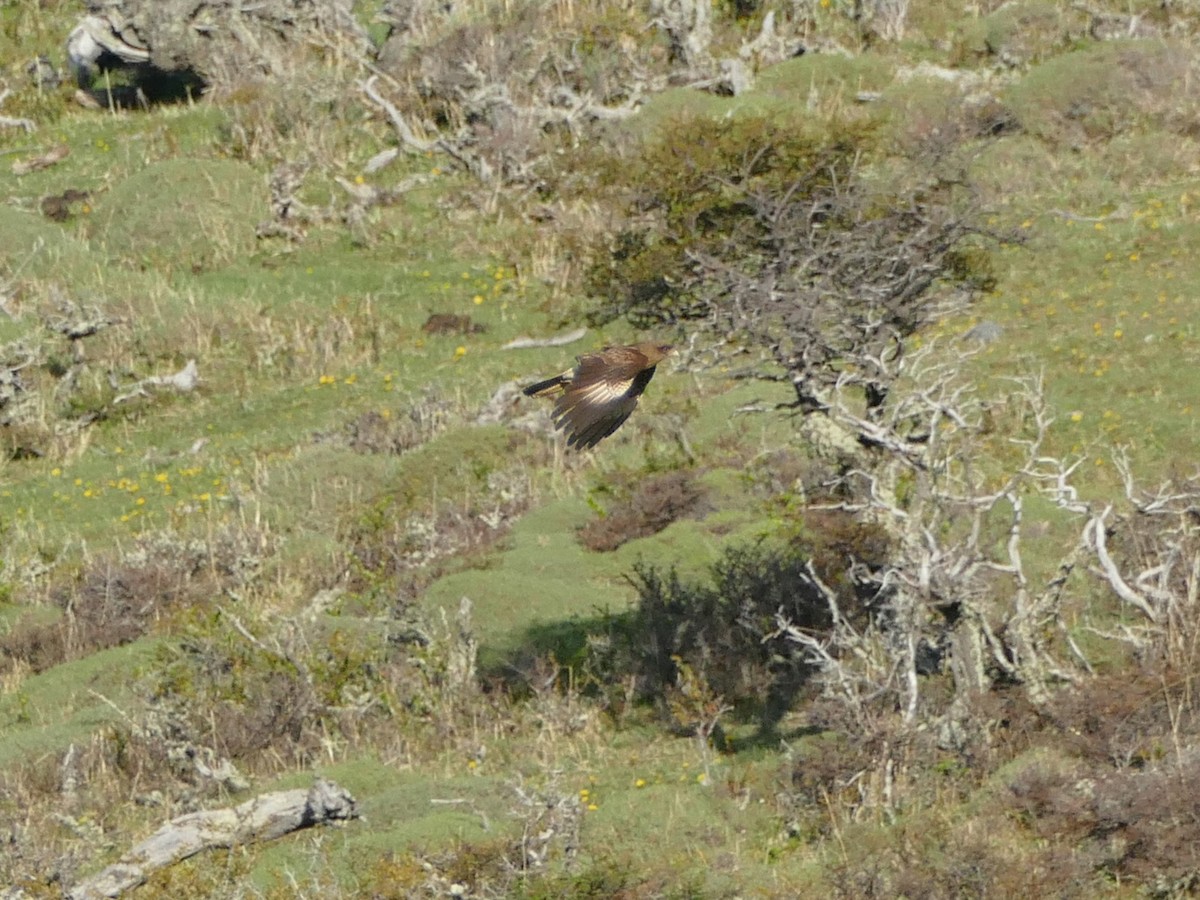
<point>933,859</point>
<point>395,548</point>
<point>278,714</point>
<point>243,696</point>
<point>653,504</point>
<point>836,541</point>
<point>117,598</point>
<point>718,639</point>
<point>1122,721</point>
<point>374,432</point>
<point>691,186</point>
<point>774,235</point>
<point>1136,826</point>
<point>1017,34</point>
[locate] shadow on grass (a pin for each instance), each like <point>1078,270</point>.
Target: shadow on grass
<point>140,87</point>
<point>595,656</point>
<point>564,644</point>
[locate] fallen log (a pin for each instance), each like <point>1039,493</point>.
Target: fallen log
<point>524,343</point>
<point>51,157</point>
<point>264,818</point>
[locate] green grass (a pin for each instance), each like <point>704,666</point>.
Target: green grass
<point>70,703</point>
<point>1111,327</point>
<point>226,201</point>
<point>403,810</point>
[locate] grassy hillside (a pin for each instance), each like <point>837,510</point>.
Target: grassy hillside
<point>325,560</point>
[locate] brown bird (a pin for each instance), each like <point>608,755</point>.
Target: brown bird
<point>596,396</point>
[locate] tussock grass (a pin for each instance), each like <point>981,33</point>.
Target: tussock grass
<point>43,714</point>
<point>226,201</point>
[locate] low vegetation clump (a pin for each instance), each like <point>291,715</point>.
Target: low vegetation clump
<point>1100,92</point>
<point>653,503</point>
<point>778,236</point>
<point>118,598</point>
<point>701,650</point>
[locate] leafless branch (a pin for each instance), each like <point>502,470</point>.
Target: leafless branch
<point>184,381</point>
<point>558,340</point>
<point>404,131</point>
<point>1096,536</point>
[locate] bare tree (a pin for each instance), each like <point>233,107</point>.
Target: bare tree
<point>831,278</point>
<point>886,19</point>
<point>14,358</point>
<point>1149,555</point>
<point>224,42</point>
<point>956,591</point>
<point>688,24</point>
<point>958,596</point>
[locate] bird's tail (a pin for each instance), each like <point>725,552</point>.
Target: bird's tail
<point>549,386</point>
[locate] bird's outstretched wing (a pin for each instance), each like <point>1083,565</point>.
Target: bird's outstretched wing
<point>601,395</point>
<point>601,391</point>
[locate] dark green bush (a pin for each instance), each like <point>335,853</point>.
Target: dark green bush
<point>691,186</point>
<point>722,633</point>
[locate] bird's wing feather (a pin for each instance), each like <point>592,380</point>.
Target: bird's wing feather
<point>601,394</point>
<point>549,385</point>
<point>596,384</point>
<point>588,426</point>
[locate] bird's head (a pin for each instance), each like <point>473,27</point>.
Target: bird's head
<point>656,352</point>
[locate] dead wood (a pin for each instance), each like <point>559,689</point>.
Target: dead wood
<point>15,400</point>
<point>184,381</point>
<point>524,343</point>
<point>264,818</point>
<point>10,122</point>
<point>503,98</point>
<point>223,41</point>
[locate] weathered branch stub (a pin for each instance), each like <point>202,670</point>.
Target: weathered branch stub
<point>264,818</point>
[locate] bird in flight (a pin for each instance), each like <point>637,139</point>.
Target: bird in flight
<point>596,396</point>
